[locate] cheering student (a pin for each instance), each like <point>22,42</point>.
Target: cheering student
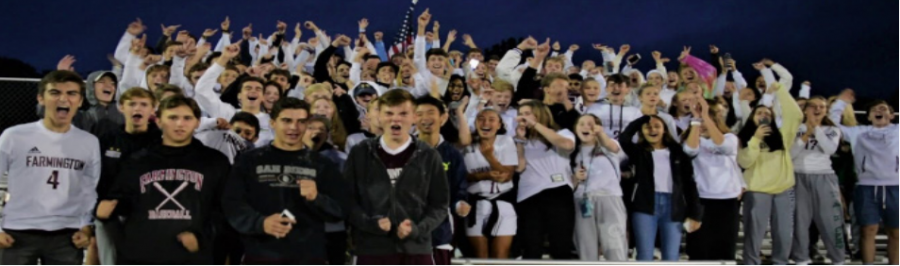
<point>431,64</point>
<point>719,183</point>
<point>600,218</point>
<point>431,115</point>
<point>280,196</point>
<point>167,198</point>
<point>875,151</point>
<point>769,176</point>
<point>545,207</point>
<point>399,190</point>
<point>53,170</point>
<point>316,137</point>
<point>649,97</point>
<point>117,145</point>
<point>665,196</point>
<point>818,195</point>
<point>615,114</point>
<point>250,95</point>
<point>491,161</point>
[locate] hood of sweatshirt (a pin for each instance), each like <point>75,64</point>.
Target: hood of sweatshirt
<point>90,93</point>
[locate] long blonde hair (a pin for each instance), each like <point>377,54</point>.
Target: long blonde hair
<point>338,131</point>
<point>542,116</point>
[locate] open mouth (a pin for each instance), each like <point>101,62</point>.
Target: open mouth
<point>586,134</point>
<point>396,130</point>
<point>137,117</point>
<point>106,92</point>
<point>879,117</point>
<point>501,105</point>
<point>252,99</point>
<point>62,111</point>
<point>292,136</point>
<point>654,135</point>
<point>423,125</point>
<point>485,129</point>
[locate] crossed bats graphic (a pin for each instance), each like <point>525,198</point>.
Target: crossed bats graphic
<point>170,197</point>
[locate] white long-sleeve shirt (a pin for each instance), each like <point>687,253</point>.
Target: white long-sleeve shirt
<point>814,156</point>
<point>424,78</point>
<point>716,170</point>
<point>210,103</point>
<point>52,177</point>
<point>615,118</point>
<point>874,149</point>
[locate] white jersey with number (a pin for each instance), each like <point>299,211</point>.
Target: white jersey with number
<point>814,155</point>
<point>225,141</point>
<point>52,177</point>
<point>506,154</point>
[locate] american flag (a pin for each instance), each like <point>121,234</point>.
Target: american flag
<point>405,36</point>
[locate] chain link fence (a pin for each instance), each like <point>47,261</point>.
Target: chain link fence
<point>19,101</point>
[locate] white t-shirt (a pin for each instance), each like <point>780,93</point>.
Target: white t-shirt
<point>509,121</point>
<point>52,177</point>
<point>547,167</point>
<point>615,118</point>
<point>603,171</point>
<point>506,154</point>
<point>814,156</point>
<point>662,171</point>
<point>716,170</point>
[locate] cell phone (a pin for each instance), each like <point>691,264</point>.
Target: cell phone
<point>727,57</point>
<point>635,59</point>
<point>288,214</point>
<point>473,64</point>
<point>765,122</point>
<point>609,67</point>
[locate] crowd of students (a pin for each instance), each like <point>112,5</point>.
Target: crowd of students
<point>275,151</point>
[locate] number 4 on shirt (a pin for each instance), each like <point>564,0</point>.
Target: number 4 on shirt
<point>54,180</point>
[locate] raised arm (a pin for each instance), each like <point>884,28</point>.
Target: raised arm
<point>511,59</point>
<point>379,46</point>
<point>419,57</point>
<point>204,94</point>
<point>555,139</point>
<point>626,137</point>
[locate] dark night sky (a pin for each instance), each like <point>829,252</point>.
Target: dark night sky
<point>835,44</point>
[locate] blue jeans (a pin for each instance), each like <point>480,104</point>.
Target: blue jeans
<point>646,226</point>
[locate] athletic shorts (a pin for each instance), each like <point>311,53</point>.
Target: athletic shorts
<point>507,224</point>
<point>876,205</point>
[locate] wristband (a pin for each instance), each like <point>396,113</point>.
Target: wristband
<point>520,141</point>
<point>696,124</point>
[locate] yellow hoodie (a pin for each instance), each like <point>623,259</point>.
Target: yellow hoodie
<point>773,172</point>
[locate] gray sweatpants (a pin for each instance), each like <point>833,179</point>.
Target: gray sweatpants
<point>819,202</point>
<point>759,208</point>
<point>107,234</point>
<point>606,227</point>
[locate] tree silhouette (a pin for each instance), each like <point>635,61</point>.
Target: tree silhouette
<point>15,68</point>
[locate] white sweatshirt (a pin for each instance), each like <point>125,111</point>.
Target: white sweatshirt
<point>603,172</point>
<point>814,156</point>
<point>211,104</point>
<point>225,141</point>
<point>874,150</point>
<point>716,170</point>
<point>52,177</point>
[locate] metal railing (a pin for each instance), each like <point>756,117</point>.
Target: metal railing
<point>566,262</point>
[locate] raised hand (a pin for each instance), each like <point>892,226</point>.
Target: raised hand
<point>226,25</point>
<point>625,49</point>
<point>182,36</point>
<point>768,62</point>
<point>467,40</point>
<point>136,28</point>
<point>556,46</point>
<point>424,19</point>
<point>436,27</point>
<point>848,96</point>
<point>247,31</point>
<point>685,53</point>
<point>66,63</point>
<point>311,26</point>
<point>208,33</point>
<point>574,48</point>
<point>657,56</point>
<point>759,66</point>
<point>542,51</point>
<point>600,47</point>
<point>528,44</point>
<point>451,36</point>
<point>762,132</point>
<point>281,26</point>
<point>341,40</point>
<point>363,24</point>
<point>379,36</point>
<point>262,40</point>
<point>169,30</point>
<point>713,49</point>
<point>189,241</point>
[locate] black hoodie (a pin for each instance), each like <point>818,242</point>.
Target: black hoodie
<point>263,183</point>
<point>163,192</point>
<point>116,146</point>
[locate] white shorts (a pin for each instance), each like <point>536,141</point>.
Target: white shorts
<point>507,224</point>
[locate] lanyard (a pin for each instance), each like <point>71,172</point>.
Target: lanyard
<point>621,117</point>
